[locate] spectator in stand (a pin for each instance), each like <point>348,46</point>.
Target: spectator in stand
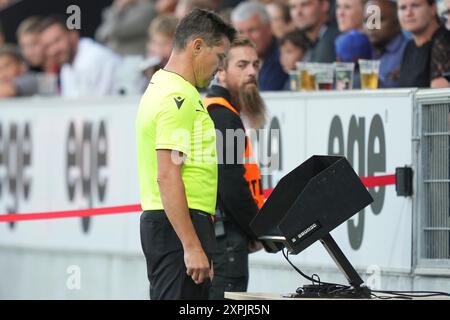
<point>124,26</point>
<point>311,16</point>
<point>252,20</point>
<point>87,67</point>
<point>4,3</point>
<point>15,80</point>
<point>293,46</point>
<point>28,37</point>
<point>165,7</point>
<point>160,43</point>
<point>446,14</point>
<point>186,6</point>
<point>12,66</point>
<point>426,60</point>
<point>352,44</point>
<point>30,46</point>
<point>350,47</point>
<point>280,18</point>
<point>349,15</point>
<point>388,42</point>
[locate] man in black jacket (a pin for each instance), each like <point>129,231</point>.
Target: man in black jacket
<point>426,59</point>
<point>239,182</point>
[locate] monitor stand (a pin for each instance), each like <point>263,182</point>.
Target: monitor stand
<point>324,290</point>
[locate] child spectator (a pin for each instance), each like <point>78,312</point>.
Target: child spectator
<point>27,35</point>
<point>293,47</point>
<point>15,80</point>
<point>159,44</point>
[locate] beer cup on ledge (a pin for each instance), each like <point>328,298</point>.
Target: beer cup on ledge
<point>369,73</point>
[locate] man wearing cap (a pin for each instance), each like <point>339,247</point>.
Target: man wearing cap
<point>350,47</point>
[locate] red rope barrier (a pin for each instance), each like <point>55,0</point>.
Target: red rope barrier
<point>369,182</point>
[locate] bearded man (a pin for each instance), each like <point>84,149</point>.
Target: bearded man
<point>239,196</point>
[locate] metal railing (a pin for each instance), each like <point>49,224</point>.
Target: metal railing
<point>433,183</point>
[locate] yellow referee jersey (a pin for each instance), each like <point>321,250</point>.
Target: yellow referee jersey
<point>172,116</point>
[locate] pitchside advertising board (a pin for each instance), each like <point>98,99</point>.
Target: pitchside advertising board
<point>82,156</point>
<point>60,154</point>
<point>373,130</point>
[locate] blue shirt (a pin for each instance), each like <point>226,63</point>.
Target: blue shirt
<point>271,75</point>
<point>390,61</point>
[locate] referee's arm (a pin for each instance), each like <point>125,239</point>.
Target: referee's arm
<point>174,200</point>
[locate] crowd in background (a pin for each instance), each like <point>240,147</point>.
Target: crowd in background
<point>134,40</point>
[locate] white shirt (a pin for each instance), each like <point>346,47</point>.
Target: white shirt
<point>92,72</point>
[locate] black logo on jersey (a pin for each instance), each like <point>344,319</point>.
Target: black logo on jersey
<point>179,101</point>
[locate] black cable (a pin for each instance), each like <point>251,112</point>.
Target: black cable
<point>296,269</point>
<point>401,296</point>
<point>414,294</point>
<point>419,295</point>
<point>316,276</point>
<point>285,254</point>
<point>389,297</point>
<point>340,289</point>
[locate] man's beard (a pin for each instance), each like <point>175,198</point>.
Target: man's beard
<point>252,106</point>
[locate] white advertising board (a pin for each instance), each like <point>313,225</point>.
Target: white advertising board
<point>373,130</point>
<point>74,154</point>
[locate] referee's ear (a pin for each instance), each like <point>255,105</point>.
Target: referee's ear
<point>197,45</point>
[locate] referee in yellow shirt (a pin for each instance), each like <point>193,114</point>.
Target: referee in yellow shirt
<point>177,161</point>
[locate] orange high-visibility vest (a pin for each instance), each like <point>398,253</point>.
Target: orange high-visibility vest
<point>252,174</point>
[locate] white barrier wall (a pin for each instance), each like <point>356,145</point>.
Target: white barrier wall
<point>73,154</point>
<point>373,130</point>
<point>82,155</point>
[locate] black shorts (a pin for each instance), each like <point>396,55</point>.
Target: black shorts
<point>164,254</point>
